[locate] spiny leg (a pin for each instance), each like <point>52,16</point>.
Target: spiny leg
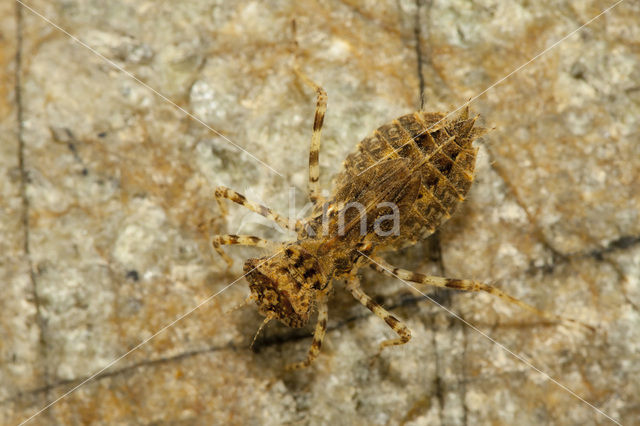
<point>385,268</point>
<point>318,335</point>
<point>242,240</point>
<point>314,151</point>
<point>396,325</point>
<point>224,192</point>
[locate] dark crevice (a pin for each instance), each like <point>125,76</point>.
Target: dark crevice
<point>435,250</point>
<point>621,243</point>
<point>418,36</point>
<point>122,371</point>
<point>434,247</point>
<point>24,178</point>
<point>463,382</point>
<point>428,72</point>
<point>438,379</point>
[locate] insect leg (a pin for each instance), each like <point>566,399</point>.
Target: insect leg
<point>242,240</point>
<point>314,152</point>
<point>396,325</point>
<point>318,335</point>
<point>224,192</point>
<point>385,268</point>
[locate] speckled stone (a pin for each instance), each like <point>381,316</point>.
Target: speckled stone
<point>119,192</point>
<point>20,364</point>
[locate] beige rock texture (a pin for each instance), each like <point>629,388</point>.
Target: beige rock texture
<point>114,309</point>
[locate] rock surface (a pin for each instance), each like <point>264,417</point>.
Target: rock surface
<point>107,208</point>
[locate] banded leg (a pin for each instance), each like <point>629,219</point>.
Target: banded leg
<point>242,240</point>
<point>385,268</point>
<point>318,335</point>
<point>396,325</point>
<point>224,192</point>
<point>314,151</point>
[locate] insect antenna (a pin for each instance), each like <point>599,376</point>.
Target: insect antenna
<point>266,320</point>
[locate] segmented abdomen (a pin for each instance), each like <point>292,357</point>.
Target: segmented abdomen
<point>438,149</point>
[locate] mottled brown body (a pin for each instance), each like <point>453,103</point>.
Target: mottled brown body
<point>417,168</point>
<point>436,167</point>
<point>421,162</point>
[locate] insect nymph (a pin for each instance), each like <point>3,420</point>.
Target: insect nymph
<point>421,163</point>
